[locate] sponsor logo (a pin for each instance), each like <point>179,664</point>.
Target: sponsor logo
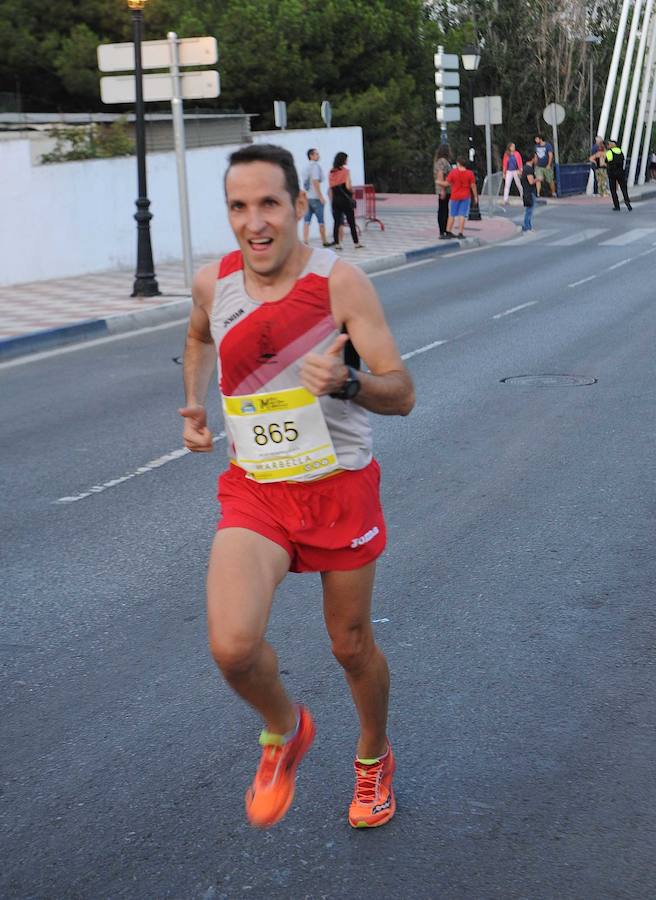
<point>233,318</point>
<point>248,407</point>
<point>365,538</point>
<point>382,806</point>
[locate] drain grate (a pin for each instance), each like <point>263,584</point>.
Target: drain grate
<point>567,380</point>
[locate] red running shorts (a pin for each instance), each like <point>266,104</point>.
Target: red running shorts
<point>334,524</point>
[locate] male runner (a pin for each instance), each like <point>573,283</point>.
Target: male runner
<point>301,491</point>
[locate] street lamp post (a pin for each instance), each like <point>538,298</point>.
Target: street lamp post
<point>145,283</point>
<point>471,58</point>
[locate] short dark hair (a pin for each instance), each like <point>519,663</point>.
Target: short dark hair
<point>311,151</point>
<point>538,137</point>
<point>340,159</point>
<point>461,161</point>
<point>269,153</point>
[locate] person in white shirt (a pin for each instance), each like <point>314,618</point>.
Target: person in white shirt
<point>312,178</point>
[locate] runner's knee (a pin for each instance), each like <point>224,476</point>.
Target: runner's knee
<point>235,658</point>
<point>353,647</point>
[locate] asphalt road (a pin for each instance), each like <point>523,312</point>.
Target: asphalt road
<point>516,599</point>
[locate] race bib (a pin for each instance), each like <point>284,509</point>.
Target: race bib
<point>280,436</point>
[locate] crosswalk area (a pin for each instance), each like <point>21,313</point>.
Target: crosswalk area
<point>554,237</point>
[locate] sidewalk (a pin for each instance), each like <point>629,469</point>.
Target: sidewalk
<point>43,314</point>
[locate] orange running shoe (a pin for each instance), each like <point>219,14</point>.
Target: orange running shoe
<point>272,791</point>
<point>373,801</point>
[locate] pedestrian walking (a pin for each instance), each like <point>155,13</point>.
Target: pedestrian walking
<point>463,191</point>
<point>512,170</point>
<point>341,198</point>
<point>301,490</point>
<point>652,166</point>
<point>598,160</point>
<point>312,178</point>
<point>615,164</point>
<point>528,190</point>
<point>441,168</point>
<point>544,170</point>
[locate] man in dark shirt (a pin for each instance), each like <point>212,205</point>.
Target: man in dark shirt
<point>544,166</point>
<point>528,189</point>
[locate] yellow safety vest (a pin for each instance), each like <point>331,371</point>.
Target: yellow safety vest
<point>613,150</point>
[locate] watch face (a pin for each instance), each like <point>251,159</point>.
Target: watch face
<point>352,386</point>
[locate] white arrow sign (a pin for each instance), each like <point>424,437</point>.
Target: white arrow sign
<point>157,88</point>
<point>447,98</point>
<point>447,113</point>
<point>446,61</point>
<point>201,51</point>
<point>447,79</point>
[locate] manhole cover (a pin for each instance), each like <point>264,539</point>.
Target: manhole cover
<point>575,380</point>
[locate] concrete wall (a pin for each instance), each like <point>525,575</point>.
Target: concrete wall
<point>73,218</point>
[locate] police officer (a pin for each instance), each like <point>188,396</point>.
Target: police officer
<point>615,167</point>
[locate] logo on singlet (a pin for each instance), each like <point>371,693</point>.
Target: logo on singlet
<point>267,350</point>
<point>233,318</point>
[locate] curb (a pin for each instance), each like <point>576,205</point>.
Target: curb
<point>26,344</point>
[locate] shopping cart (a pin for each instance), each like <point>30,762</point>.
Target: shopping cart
<point>365,198</point>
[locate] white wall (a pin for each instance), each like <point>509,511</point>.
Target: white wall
<point>73,218</point>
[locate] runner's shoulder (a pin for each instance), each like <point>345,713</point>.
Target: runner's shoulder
<point>351,291</point>
<point>204,284</point>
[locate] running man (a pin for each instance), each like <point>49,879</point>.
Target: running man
<point>301,491</point>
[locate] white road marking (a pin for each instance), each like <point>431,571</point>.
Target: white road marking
<point>142,470</point>
<point>582,281</point>
<point>617,265</point>
<point>527,237</point>
<point>46,354</point>
<point>410,265</point>
<point>376,621</point>
<point>635,234</point>
<point>647,252</point>
<point>423,349</point>
<point>587,234</point>
<point>514,309</point>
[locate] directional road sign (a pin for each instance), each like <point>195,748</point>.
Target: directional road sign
<point>447,113</point>
<point>487,111</point>
<point>201,51</point>
<point>159,87</point>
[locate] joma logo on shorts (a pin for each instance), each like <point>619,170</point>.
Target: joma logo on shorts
<point>369,536</point>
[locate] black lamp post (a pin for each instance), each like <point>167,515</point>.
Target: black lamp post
<point>471,57</point>
<point>145,283</point>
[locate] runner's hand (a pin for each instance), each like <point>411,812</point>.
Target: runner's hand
<point>325,373</point>
<point>196,435</point>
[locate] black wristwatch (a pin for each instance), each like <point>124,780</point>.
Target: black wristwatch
<point>351,388</point>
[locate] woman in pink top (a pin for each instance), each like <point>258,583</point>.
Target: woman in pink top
<point>512,170</point>
<point>340,191</point>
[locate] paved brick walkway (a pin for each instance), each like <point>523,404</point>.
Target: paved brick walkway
<point>410,223</point>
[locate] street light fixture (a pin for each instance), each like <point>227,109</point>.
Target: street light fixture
<point>471,58</point>
<point>145,283</point>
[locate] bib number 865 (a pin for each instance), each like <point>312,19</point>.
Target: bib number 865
<point>274,433</point>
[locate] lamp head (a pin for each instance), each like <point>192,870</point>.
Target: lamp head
<point>136,4</point>
<point>471,57</point>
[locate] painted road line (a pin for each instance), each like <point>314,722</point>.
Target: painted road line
<point>583,281</point>
<point>528,237</point>
<point>647,252</point>
<point>411,265</point>
<point>636,234</point>
<point>142,470</point>
<point>182,451</point>
<point>423,349</point>
<point>587,234</point>
<point>514,309</point>
<point>617,265</point>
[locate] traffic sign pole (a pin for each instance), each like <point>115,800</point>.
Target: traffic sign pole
<point>179,138</point>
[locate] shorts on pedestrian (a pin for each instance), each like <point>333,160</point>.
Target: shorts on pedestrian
<point>459,207</point>
<point>544,174</point>
<point>334,524</point>
<point>315,208</point>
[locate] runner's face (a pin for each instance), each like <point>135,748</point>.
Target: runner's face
<point>262,216</point>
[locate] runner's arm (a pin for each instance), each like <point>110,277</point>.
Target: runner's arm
<point>386,388</point>
<point>199,362</point>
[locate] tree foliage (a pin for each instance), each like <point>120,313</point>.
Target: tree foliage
<point>372,58</point>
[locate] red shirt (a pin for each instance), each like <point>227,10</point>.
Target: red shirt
<point>460,181</point>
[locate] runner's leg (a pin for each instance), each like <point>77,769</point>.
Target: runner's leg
<point>244,571</point>
<point>347,613</point>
